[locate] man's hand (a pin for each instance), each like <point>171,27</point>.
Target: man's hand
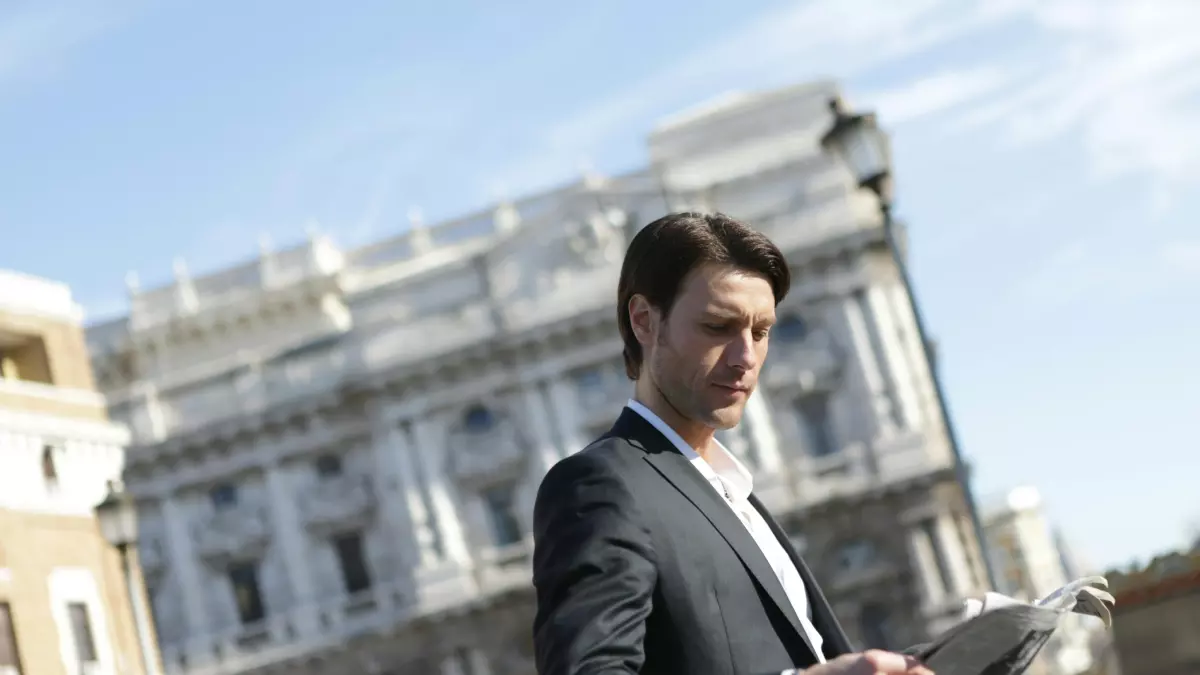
<point>870,662</point>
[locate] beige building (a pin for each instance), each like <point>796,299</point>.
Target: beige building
<point>64,607</point>
<point>1030,563</point>
<point>1156,622</point>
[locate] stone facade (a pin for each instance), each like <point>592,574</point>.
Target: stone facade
<point>64,604</point>
<point>336,451</point>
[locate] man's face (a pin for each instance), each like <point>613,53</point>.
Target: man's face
<point>704,358</point>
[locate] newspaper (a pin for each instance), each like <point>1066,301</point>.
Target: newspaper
<point>1006,635</point>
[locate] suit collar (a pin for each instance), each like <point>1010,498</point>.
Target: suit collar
<point>669,462</point>
<point>721,467</point>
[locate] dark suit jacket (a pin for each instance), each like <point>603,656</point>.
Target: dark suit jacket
<point>640,567</point>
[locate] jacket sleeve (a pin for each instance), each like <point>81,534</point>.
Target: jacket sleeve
<point>593,572</point>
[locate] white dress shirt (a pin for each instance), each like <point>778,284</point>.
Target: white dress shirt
<point>734,483</point>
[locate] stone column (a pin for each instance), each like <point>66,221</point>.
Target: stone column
<point>392,487</point>
<point>876,383</point>
<point>564,403</point>
<point>185,567</point>
<point>290,536</point>
<point>888,329</point>
<point>428,548</point>
<point>760,432</point>
<point>920,550</point>
<point>543,452</point>
<point>957,561</point>
<point>430,448</point>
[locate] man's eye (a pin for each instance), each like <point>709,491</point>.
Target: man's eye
<point>715,327</point>
<point>760,335</point>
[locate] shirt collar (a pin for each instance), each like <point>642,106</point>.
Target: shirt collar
<point>721,465</point>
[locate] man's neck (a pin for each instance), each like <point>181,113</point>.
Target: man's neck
<point>698,436</point>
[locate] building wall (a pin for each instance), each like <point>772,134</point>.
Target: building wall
<point>57,450</point>
<point>1157,616</point>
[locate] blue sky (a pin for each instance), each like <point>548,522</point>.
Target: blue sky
<point>1048,154</point>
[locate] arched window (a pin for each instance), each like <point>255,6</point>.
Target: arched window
<point>477,419</point>
<point>856,555</point>
<point>49,469</point>
<point>791,328</point>
<point>873,624</point>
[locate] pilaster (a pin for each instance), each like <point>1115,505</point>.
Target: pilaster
<point>564,403</point>
<point>296,551</point>
<point>429,445</point>
<point>186,566</point>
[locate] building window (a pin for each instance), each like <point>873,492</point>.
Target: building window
<point>10,656</point>
<point>506,529</point>
<point>873,625</point>
<point>590,379</point>
<point>49,466</point>
<point>790,329</point>
<point>856,556</point>
<point>478,419</point>
<point>929,527</point>
<point>81,632</point>
<point>223,496</point>
<point>247,595</point>
<point>812,410</point>
<point>329,466</point>
<point>349,549</point>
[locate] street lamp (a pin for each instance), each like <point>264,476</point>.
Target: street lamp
<point>863,147</point>
<point>117,516</point>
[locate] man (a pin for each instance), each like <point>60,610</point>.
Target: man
<point>652,554</point>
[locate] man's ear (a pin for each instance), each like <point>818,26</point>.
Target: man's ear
<point>644,319</point>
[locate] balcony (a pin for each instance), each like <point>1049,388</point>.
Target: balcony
<point>235,533</point>
<point>338,503</point>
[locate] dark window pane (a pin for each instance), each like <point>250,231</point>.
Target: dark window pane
<point>506,530</point>
<point>9,655</point>
<point>81,631</point>
<point>243,577</point>
<point>355,575</point>
<point>873,622</point>
<point>223,496</point>
<point>813,411</point>
<point>329,465</point>
<point>478,419</point>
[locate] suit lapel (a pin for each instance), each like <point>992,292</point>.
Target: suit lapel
<point>679,472</point>
<point>823,618</point>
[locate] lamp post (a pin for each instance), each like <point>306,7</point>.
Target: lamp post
<point>117,516</point>
<point>863,147</point>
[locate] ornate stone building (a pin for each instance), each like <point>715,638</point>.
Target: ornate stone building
<point>64,602</point>
<point>336,451</point>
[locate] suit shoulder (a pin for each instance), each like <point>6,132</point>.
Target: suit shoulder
<point>609,459</point>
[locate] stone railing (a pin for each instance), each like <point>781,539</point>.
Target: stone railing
<point>338,503</point>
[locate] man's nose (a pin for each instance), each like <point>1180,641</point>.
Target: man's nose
<point>742,353</point>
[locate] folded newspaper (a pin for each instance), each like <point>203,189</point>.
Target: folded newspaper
<point>1001,636</point>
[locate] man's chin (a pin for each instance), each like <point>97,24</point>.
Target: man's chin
<point>726,418</point>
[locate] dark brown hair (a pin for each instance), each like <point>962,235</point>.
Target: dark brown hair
<point>666,250</point>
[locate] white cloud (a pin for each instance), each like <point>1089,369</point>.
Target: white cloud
<point>806,40</point>
<point>938,93</point>
<point>1123,77</point>
<point>35,37</point>
<point>1183,256</point>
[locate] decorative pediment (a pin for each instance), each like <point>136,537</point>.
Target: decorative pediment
<point>234,533</point>
<point>485,444</point>
<point>338,503</point>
